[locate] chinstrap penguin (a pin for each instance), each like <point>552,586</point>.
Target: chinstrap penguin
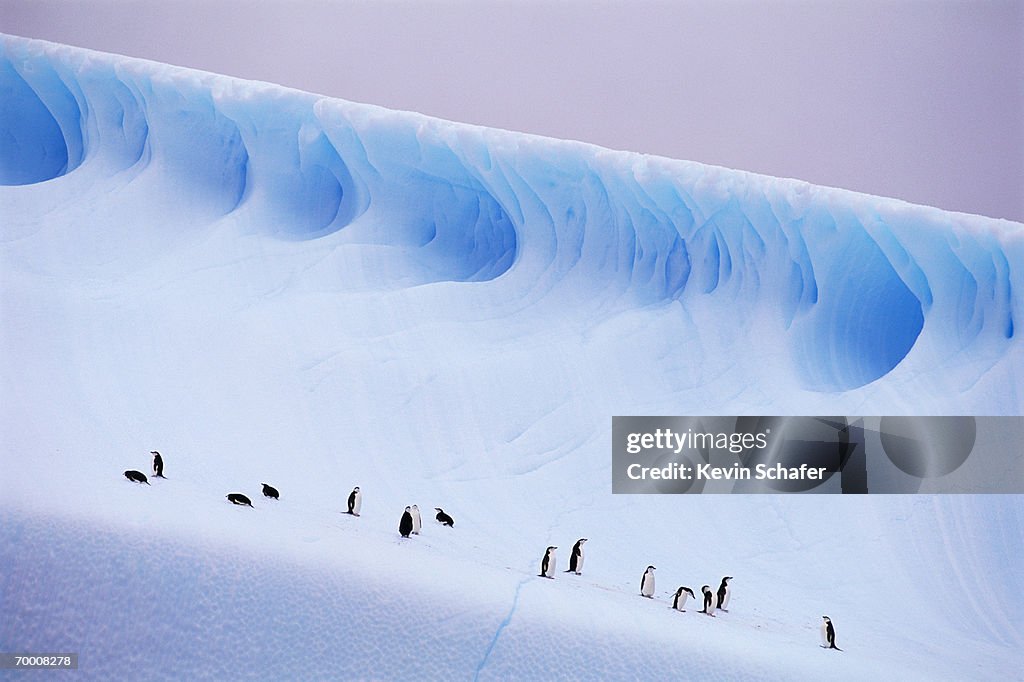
<point>158,464</point>
<point>709,601</point>
<point>828,634</point>
<point>136,476</point>
<point>443,518</point>
<point>724,592</point>
<point>405,525</point>
<point>647,583</point>
<point>679,600</point>
<point>417,522</point>
<point>576,558</point>
<point>355,501</point>
<point>239,498</point>
<point>547,564</point>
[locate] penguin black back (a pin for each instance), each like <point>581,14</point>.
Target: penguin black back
<point>723,593</point>
<point>443,518</point>
<point>576,557</point>
<point>679,595</point>
<point>547,566</point>
<point>405,525</point>
<point>271,492</point>
<point>355,501</point>
<point>239,498</point>
<point>709,601</point>
<point>136,476</point>
<point>830,633</point>
<point>158,464</point>
<point>647,583</point>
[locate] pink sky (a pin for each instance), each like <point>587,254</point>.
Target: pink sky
<point>919,100</point>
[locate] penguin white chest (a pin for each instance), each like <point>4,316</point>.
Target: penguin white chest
<point>647,584</point>
<point>709,602</point>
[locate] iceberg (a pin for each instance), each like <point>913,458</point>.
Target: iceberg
<point>271,285</point>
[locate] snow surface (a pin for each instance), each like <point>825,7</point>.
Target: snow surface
<point>271,286</point>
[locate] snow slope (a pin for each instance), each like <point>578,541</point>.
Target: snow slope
<point>267,285</point>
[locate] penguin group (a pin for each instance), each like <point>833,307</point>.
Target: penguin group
<point>136,476</point>
<point>712,601</point>
<point>411,524</point>
<point>547,562</point>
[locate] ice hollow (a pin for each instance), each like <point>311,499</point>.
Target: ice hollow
<point>854,286</point>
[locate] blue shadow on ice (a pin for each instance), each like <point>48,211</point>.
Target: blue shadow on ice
<point>39,140</point>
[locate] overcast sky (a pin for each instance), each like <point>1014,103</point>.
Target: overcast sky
<point>920,100</point>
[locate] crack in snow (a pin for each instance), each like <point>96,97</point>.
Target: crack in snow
<point>501,627</point>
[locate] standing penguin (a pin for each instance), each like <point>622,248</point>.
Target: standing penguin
<point>709,601</point>
<point>647,583</point>
<point>724,591</point>
<point>576,558</point>
<point>443,518</point>
<point>355,501</point>
<point>405,525</point>
<point>679,601</point>
<point>417,522</point>
<point>158,464</point>
<point>828,634</point>
<point>547,564</point>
